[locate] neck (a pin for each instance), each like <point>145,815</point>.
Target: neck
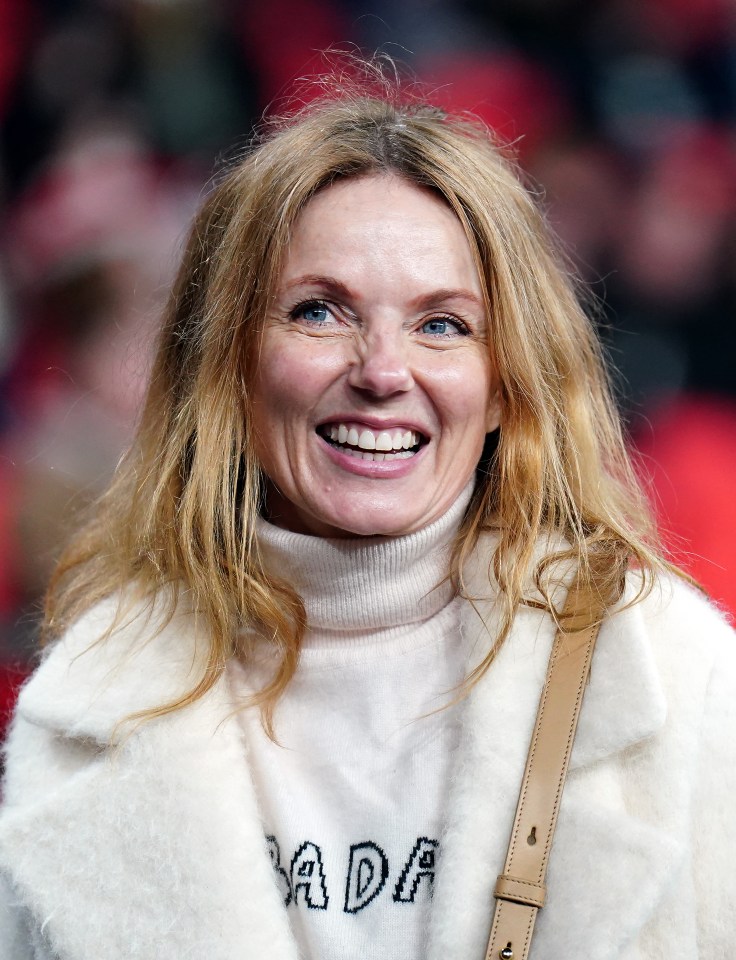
<point>367,583</point>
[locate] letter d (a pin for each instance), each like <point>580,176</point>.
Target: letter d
<point>367,874</point>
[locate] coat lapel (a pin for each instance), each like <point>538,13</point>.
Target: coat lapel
<point>607,869</point>
<point>155,848</point>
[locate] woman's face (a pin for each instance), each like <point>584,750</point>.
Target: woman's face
<point>374,390</point>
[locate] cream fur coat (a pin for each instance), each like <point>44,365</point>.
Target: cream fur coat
<point>154,851</point>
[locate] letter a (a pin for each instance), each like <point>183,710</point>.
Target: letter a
<point>308,877</point>
<point>420,864</point>
<point>367,874</point>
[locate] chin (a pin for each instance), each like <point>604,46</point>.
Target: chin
<point>386,524</point>
<point>344,517</point>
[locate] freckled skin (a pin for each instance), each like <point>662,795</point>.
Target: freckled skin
<point>398,336</point>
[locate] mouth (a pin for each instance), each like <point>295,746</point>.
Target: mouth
<point>357,440</point>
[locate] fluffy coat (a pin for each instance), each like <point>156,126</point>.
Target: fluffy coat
<point>153,849</point>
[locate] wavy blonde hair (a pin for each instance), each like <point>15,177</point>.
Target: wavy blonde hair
<point>180,513</point>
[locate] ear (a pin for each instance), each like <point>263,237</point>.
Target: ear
<point>493,416</point>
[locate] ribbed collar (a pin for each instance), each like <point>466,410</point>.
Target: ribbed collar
<point>368,583</point>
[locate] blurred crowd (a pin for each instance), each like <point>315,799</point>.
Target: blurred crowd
<point>114,113</point>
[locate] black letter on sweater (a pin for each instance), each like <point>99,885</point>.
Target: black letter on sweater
<point>420,864</point>
<point>282,878</point>
<point>308,875</point>
<point>367,874</point>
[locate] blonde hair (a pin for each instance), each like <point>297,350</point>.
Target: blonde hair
<point>180,513</point>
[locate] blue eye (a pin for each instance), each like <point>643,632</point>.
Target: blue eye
<point>315,312</point>
<point>444,327</point>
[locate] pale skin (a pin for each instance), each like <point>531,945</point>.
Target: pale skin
<point>379,331</point>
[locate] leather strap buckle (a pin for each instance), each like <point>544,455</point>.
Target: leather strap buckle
<point>520,891</point>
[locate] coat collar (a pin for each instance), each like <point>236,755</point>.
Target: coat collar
<point>120,658</point>
<point>187,769</point>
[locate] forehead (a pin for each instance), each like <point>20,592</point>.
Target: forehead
<point>381,225</point>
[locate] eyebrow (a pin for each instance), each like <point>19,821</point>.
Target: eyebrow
<point>427,301</point>
<point>437,297</point>
<point>325,282</point>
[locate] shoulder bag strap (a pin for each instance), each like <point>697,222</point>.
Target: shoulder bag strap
<point>520,889</point>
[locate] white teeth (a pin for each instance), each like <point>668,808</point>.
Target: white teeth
<point>391,444</point>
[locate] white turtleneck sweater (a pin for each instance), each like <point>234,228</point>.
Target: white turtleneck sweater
<point>353,797</point>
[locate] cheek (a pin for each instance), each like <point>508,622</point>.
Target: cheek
<point>464,394</point>
<point>280,386</point>
<point>292,378</point>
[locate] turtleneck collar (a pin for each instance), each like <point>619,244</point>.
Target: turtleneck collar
<point>367,583</point>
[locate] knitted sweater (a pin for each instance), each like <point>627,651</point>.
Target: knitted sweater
<point>353,796</point>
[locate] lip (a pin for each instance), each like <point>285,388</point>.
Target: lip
<point>377,469</point>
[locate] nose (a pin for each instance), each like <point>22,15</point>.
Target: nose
<point>381,367</point>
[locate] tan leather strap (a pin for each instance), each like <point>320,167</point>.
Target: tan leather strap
<point>520,890</point>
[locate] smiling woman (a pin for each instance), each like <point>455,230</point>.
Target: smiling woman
<point>378,493</point>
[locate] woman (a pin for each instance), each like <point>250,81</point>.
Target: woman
<point>300,647</point>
